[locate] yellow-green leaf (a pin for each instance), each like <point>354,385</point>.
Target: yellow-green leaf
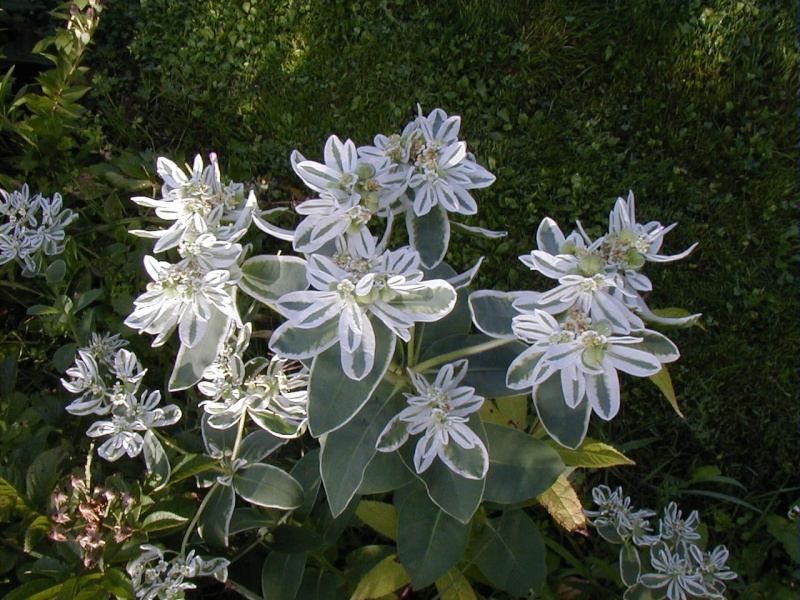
<point>563,504</point>
<point>511,411</point>
<point>592,454</point>
<point>384,578</point>
<point>454,586</point>
<point>664,383</point>
<point>380,516</point>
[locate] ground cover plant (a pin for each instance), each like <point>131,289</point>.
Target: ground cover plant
<point>564,109</point>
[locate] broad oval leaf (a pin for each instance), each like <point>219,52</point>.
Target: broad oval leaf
<point>563,504</point>
<point>429,234</point>
<point>214,521</point>
<point>510,552</point>
<point>269,486</point>
<point>334,398</point>
<point>521,467</point>
<point>266,278</point>
<point>347,451</point>
<point>429,541</point>
<point>492,312</point>
<point>281,575</point>
<point>191,362</point>
<point>566,425</point>
<point>384,578</point>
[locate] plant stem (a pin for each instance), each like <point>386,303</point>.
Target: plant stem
<point>463,352</point>
<point>196,518</point>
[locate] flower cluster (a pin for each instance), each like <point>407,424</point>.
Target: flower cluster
<point>155,577</point>
<point>425,167</point>
<point>591,325</point>
<point>208,218</point>
<point>273,393</point>
<point>31,228</point>
<point>108,378</point>
<point>91,517</point>
<point>679,566</point>
<point>440,412</point>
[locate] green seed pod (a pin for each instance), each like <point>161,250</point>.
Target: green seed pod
<point>591,265</point>
<point>604,328</point>
<point>592,357</point>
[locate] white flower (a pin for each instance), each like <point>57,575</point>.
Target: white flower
<point>182,297</point>
<point>31,228</point>
<point>349,290</point>
<point>585,356</point>
<point>196,204</point>
<point>273,395</point>
<point>87,380</point>
<point>439,411</point>
<point>712,569</point>
<point>130,417</point>
<point>154,577</point>
<point>677,530</point>
<point>674,573</point>
<point>616,521</point>
<point>332,215</point>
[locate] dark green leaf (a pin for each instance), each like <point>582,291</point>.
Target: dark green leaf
<point>510,552</point>
<point>281,575</point>
<point>520,466</point>
<point>429,541</point>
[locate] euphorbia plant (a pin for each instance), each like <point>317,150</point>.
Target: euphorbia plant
<point>393,369</point>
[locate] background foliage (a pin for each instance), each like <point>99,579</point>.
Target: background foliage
<point>690,103</point>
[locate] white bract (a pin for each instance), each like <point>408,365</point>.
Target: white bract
<point>584,355</point>
<point>155,577</point>
<point>440,412</point>
<point>183,297</point>
<point>273,393</point>
<point>131,418</point>
<point>350,290</point>
<point>31,228</point>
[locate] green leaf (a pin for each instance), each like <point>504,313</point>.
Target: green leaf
<point>156,460</point>
<point>294,539</point>
<point>664,382</point>
<point>269,486</point>
<point>510,552</point>
<point>787,534</point>
<point>306,473</point>
<point>334,398</point>
<point>511,411</point>
<point>249,517</point>
<point>37,529</point>
<point>563,504</point>
<point>56,271</point>
<point>40,309</point>
<point>384,473</point>
<point>429,234</point>
<point>190,465</point>
<point>592,454</point>
<point>86,298</point>
<point>382,517</point>
<point>487,370</point>
<point>429,541</point>
<point>64,357</point>
<point>116,582</point>
<point>454,586</point>
<point>191,362</point>
<point>43,474</point>
<point>456,495</point>
<point>457,321</point>
<point>267,278</point>
<point>281,575</point>
<point>566,425</point>
<point>319,585</point>
<point>214,521</point>
<point>38,589</point>
<point>630,565</point>
<point>258,445</point>
<point>347,451</point>
<point>161,520</point>
<point>492,312</point>
<point>384,578</point>
<point>520,466</point>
